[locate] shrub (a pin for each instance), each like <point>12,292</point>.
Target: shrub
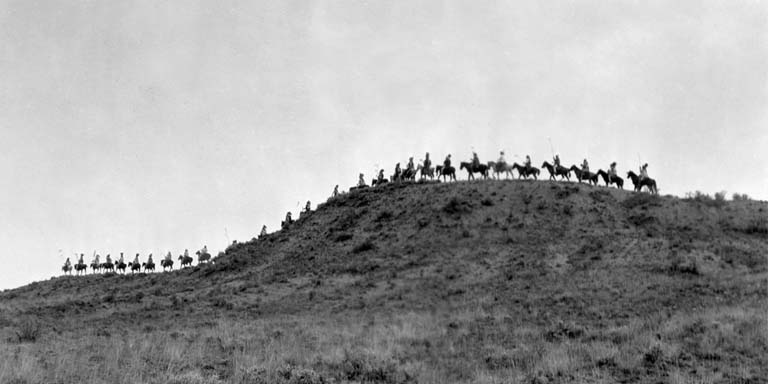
<point>758,226</point>
<point>364,246</point>
<point>342,237</point>
<point>487,202</point>
<point>29,331</point>
<point>741,197</point>
<point>455,205</point>
<point>641,200</point>
<point>384,215</point>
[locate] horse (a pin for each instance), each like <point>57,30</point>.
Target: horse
<point>611,179</point>
<point>149,266</point>
<point>426,172</point>
<point>590,177</point>
<point>186,260</point>
<point>120,266</point>
<point>560,171</point>
<point>108,266</point>
<point>378,182</point>
<point>95,267</point>
<point>639,184</point>
<point>472,169</point>
<point>526,171</point>
<point>166,263</point>
<point>499,168</point>
<point>449,172</point>
<point>203,257</point>
<point>67,268</point>
<point>137,267</point>
<point>81,267</point>
<point>408,174</point>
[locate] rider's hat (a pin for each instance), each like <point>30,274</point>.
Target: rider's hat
<point>614,163</point>
<point>645,165</point>
<point>501,152</point>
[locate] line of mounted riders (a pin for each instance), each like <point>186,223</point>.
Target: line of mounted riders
<point>203,257</point>
<point>495,169</point>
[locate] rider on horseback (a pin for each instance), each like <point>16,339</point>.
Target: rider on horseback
<point>380,178</point>
<point>308,208</point>
<point>502,161</point>
<point>335,191</point>
<point>81,259</point>
<point>121,259</point>
<point>447,162</point>
<point>360,183</point>
<point>169,257</point>
<point>410,168</point>
<point>556,160</point>
<point>644,172</point>
<point>397,172</point>
<point>67,264</point>
<point>263,231</point>
<point>427,162</point>
<point>475,160</point>
<point>109,260</point>
<point>96,260</point>
<point>527,163</point>
<point>612,171</point>
<point>585,167</point>
<point>205,247</point>
<point>136,259</point>
<point>149,259</point>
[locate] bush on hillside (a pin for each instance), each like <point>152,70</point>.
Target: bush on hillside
<point>456,205</point>
<point>364,246</point>
<point>641,200</point>
<point>741,197</point>
<point>29,331</point>
<point>705,199</point>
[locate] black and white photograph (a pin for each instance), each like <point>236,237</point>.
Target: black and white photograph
<point>383,192</point>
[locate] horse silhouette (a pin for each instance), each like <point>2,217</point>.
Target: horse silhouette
<point>499,168</point>
<point>561,171</point>
<point>67,268</point>
<point>472,169</point>
<point>137,267</point>
<point>446,172</point>
<point>611,179</point>
<point>185,260</point>
<point>526,171</point>
<point>166,263</point>
<point>120,266</point>
<point>81,267</point>
<point>203,257</point>
<point>150,266</point>
<point>108,266</point>
<point>426,172</point>
<point>590,177</point>
<point>639,184</point>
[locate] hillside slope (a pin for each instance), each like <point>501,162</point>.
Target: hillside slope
<point>469,281</point>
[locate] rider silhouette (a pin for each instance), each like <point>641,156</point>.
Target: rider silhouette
<point>475,160</point>
<point>410,164</point>
<point>263,231</point>
<point>397,171</point>
<point>361,181</point>
<point>557,161</point>
<point>501,158</point>
<point>644,171</point>
<point>447,161</point>
<point>585,167</point>
<point>612,171</point>
<point>427,161</point>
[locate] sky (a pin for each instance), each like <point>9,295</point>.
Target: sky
<point>155,126</point>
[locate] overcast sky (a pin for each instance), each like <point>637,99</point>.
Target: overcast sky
<point>149,126</point>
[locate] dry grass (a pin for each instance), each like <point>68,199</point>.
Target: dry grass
<point>404,348</point>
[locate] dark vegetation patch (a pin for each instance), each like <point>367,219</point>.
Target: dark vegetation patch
<point>563,193</point>
<point>641,200</point>
<point>487,202</point>
<point>457,206</point>
<point>28,331</point>
<point>704,199</point>
<point>740,256</point>
<point>367,245</point>
<point>600,195</point>
<point>564,331</point>
<point>342,237</point>
<point>384,215</point>
<point>357,367</point>
<point>684,265</point>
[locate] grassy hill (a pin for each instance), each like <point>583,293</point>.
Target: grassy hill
<point>486,282</point>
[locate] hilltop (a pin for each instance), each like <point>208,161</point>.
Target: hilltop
<point>493,281</point>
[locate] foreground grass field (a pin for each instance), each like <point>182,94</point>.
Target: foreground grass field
<point>722,344</point>
<point>493,282</point>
